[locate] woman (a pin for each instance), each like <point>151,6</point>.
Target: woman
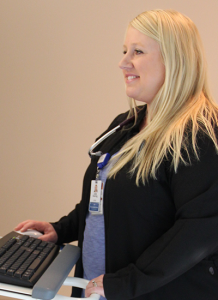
<point>160,220</point>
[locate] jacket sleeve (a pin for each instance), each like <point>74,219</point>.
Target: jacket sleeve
<point>193,236</point>
<point>67,227</point>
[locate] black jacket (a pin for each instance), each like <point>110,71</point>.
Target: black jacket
<point>161,238</point>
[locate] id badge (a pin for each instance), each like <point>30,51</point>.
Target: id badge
<point>96,197</point>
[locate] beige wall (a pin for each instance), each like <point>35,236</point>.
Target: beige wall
<point>60,87</point>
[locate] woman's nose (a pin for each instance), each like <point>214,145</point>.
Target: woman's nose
<point>125,63</point>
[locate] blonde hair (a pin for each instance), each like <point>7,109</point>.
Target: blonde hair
<point>183,102</point>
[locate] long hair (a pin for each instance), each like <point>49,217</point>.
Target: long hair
<point>182,104</point>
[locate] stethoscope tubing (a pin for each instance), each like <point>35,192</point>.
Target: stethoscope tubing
<point>106,135</point>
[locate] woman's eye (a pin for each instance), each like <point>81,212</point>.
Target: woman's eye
<point>138,51</point>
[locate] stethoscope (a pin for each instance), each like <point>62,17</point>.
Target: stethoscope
<point>105,136</point>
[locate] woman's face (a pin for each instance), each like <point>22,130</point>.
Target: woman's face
<point>142,66</point>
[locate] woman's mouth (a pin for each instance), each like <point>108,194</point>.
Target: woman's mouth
<point>130,78</point>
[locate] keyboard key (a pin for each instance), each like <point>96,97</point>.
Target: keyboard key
<point>43,244</point>
<point>27,244</point>
<point>27,275</point>
<point>37,242</point>
<point>3,270</point>
<point>19,273</point>
<point>50,245</point>
<point>46,250</point>
<point>39,248</point>
<point>2,251</point>
<point>10,272</point>
<point>35,264</point>
<point>9,244</point>
<point>24,238</point>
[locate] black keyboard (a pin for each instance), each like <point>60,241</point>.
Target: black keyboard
<point>24,259</point>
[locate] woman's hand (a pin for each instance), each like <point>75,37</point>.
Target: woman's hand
<point>95,286</point>
<point>49,234</point>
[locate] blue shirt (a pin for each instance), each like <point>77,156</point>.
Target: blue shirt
<point>93,254</point>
